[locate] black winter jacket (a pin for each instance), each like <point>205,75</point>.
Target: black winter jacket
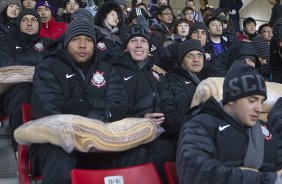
<point>209,154</point>
<point>276,61</point>
<point>58,80</point>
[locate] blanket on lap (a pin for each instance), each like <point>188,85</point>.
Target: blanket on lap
<point>87,135</point>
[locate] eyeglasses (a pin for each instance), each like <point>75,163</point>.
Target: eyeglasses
<point>267,31</point>
<point>26,20</point>
<point>195,56</point>
<point>167,13</point>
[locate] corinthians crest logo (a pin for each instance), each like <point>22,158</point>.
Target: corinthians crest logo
<point>39,46</point>
<point>98,79</point>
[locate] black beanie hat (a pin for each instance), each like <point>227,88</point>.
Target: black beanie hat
<point>47,4</point>
<point>195,26</point>
<point>28,11</point>
<point>83,14</point>
<point>132,31</point>
<point>277,29</point>
<point>242,80</point>
<point>79,27</point>
<point>262,47</point>
<point>133,14</point>
<point>188,46</point>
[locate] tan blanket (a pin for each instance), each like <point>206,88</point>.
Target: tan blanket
<point>213,87</point>
<point>11,75</point>
<point>87,135</point>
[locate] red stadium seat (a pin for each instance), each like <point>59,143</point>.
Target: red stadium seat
<point>170,171</point>
<point>139,174</point>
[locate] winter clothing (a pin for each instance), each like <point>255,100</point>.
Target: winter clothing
<point>277,29</point>
<point>188,46</point>
<point>161,31</point>
<point>52,29</point>
<point>196,26</point>
<point>262,47</point>
<point>5,3</point>
<point>83,13</point>
<point>132,15</point>
<point>276,12</point>
<point>47,4</point>
<point>275,61</point>
<point>241,84</point>
<point>213,145</point>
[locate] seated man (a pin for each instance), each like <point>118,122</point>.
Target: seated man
<point>226,142</point>
<point>72,81</point>
<point>23,48</point>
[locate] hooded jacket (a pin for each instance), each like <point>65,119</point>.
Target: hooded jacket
<point>52,29</point>
<point>212,147</point>
<point>58,81</point>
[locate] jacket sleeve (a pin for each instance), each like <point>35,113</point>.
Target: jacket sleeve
<point>197,162</point>
<point>47,95</point>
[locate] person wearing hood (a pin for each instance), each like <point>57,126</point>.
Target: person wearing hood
<point>23,48</point>
<point>70,6</point>
<point>109,20</point>
<point>49,27</point>
<point>148,92</point>
<point>249,31</point>
<point>9,11</point>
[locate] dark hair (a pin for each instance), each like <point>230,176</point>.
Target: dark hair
<point>213,18</point>
<point>263,26</point>
<point>142,4</point>
<point>134,3</point>
<point>162,8</point>
<point>179,21</point>
<point>79,2</point>
<point>249,20</point>
<point>186,9</point>
<point>189,0</point>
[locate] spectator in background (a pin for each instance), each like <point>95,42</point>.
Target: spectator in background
<point>207,13</point>
<point>134,3</point>
<point>9,10</point>
<point>188,14</point>
<point>70,6</point>
<point>29,4</point>
<point>249,31</point>
<point>203,5</point>
<point>265,31</point>
<point>276,51</point>
<point>143,6</point>
<point>49,27</point>
<point>233,6</point>
<point>122,4</point>
<point>276,11</point>
<point>197,14</point>
<point>179,33</point>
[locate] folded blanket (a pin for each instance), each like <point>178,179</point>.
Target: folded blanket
<point>213,87</point>
<point>11,75</point>
<point>87,135</point>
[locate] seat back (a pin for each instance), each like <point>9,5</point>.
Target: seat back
<point>170,171</point>
<point>139,174</point>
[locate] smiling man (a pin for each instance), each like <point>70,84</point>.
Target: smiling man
<point>226,142</point>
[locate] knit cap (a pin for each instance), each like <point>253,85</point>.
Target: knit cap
<point>196,26</point>
<point>79,27</point>
<point>5,3</point>
<point>188,46</point>
<point>28,11</point>
<point>48,5</point>
<point>242,80</point>
<point>262,47</point>
<point>83,14</point>
<point>277,29</point>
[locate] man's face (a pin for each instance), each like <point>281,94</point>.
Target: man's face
<point>45,13</point>
<point>138,48</point>
<point>190,4</point>
<point>71,6</point>
<point>193,61</point>
<point>215,28</point>
<point>183,29</point>
<point>162,2</point>
<point>267,33</point>
<point>29,24</point>
<point>112,18</point>
<point>81,48</point>
<point>13,11</point>
<point>29,4</point>
<point>201,35</point>
<point>250,28</point>
<point>246,109</point>
<point>166,17</point>
<point>189,15</point>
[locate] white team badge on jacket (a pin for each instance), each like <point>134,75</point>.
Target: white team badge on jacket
<point>101,46</point>
<point>98,79</point>
<point>39,46</point>
<point>267,135</point>
<point>156,76</point>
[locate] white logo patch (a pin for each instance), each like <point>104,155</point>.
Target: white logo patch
<point>187,82</point>
<point>98,79</point>
<point>17,47</point>
<point>127,78</point>
<point>39,46</point>
<point>101,46</point>
<point>69,76</point>
<point>221,128</point>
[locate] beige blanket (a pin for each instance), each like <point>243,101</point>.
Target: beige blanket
<point>213,87</point>
<point>11,75</point>
<point>87,135</point>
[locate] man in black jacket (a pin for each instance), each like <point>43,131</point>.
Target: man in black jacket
<point>23,48</point>
<point>226,142</point>
<point>72,81</point>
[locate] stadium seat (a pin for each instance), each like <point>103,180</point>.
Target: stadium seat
<point>170,171</point>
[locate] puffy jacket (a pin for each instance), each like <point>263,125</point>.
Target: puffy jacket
<point>52,29</point>
<point>275,61</point>
<point>58,80</point>
<point>210,153</point>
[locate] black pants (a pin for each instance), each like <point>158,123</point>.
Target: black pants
<point>12,105</point>
<point>55,165</point>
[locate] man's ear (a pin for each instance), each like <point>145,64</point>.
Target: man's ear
<point>159,17</point>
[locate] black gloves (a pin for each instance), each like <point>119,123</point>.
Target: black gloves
<point>77,106</point>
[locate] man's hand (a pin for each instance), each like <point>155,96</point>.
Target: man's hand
<point>158,118</point>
